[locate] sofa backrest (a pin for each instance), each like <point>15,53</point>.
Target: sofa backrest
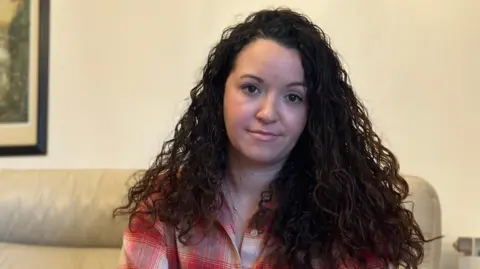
<point>71,208</point>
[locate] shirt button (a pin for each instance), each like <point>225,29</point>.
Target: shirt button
<point>254,233</point>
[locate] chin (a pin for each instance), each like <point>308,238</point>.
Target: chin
<point>263,157</point>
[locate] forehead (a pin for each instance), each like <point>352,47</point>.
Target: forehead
<point>270,60</point>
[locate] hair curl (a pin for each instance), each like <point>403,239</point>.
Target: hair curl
<point>355,191</point>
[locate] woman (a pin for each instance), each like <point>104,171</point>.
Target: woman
<point>273,165</point>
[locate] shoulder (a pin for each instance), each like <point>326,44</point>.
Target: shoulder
<point>143,220</point>
<point>146,243</point>
<point>142,225</point>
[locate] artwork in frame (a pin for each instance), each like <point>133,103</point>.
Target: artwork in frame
<point>24,50</point>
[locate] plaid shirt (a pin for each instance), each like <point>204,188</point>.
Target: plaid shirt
<point>159,248</point>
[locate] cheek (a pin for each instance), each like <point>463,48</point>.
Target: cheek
<point>235,115</point>
<point>296,122</point>
<point>238,119</point>
<point>232,116</point>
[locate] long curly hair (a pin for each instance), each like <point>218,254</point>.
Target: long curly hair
<point>340,191</point>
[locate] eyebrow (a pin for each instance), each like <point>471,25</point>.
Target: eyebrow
<point>260,80</point>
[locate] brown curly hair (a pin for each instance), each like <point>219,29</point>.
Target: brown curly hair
<point>340,190</point>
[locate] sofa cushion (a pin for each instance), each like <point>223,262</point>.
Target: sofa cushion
<point>13,256</point>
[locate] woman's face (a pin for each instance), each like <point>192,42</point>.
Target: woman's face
<point>265,106</point>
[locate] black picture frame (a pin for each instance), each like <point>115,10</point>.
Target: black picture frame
<point>35,126</point>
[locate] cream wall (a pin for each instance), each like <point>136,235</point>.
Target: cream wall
<point>121,69</point>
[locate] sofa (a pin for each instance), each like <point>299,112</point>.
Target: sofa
<point>62,219</point>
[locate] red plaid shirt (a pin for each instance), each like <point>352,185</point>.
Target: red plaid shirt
<point>159,248</point>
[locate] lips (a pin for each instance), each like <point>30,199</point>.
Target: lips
<point>263,132</point>
<point>263,135</point>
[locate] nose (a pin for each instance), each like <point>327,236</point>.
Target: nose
<point>267,112</point>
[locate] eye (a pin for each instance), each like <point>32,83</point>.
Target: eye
<point>294,98</point>
<point>250,89</point>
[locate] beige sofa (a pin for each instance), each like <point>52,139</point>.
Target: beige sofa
<point>62,219</point>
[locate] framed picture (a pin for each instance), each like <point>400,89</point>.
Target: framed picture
<point>24,56</point>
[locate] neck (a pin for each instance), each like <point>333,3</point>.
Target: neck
<point>249,179</point>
